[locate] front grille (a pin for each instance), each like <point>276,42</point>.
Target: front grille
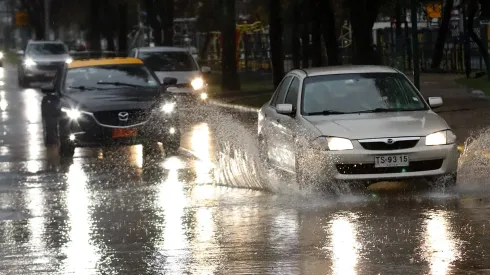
<point>397,145</point>
<point>49,66</point>
<point>368,168</point>
<point>112,117</point>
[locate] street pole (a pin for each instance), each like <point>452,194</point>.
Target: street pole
<point>415,44</point>
<point>46,19</point>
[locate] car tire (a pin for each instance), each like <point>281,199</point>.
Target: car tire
<point>67,149</point>
<point>263,155</point>
<point>23,82</point>
<point>50,132</point>
<point>171,148</point>
<point>445,181</point>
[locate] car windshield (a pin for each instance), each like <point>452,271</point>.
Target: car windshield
<point>46,49</point>
<point>363,92</point>
<point>168,61</point>
<point>109,77</point>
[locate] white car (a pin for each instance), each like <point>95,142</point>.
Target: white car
<point>178,63</point>
<point>355,124</point>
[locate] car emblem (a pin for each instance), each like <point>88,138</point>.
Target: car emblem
<point>389,141</point>
<point>123,116</point>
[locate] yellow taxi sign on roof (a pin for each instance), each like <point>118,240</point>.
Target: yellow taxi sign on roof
<point>103,61</point>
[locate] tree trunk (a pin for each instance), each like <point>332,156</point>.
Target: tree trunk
<point>109,26</point>
<point>167,17</point>
<point>152,20</point>
<point>442,34</point>
<point>275,34</point>
<point>329,33</point>
<point>123,27</point>
<point>305,35</point>
<point>296,46</point>
<point>472,9</point>
<point>362,16</point>
<point>95,25</point>
<point>316,33</point>
<point>398,18</point>
<point>204,50</point>
<point>229,82</point>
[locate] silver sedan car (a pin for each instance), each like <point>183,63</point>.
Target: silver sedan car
<point>351,124</point>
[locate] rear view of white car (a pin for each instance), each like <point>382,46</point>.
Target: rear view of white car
<point>355,124</point>
<point>174,62</point>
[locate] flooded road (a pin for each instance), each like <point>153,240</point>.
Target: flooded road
<point>208,210</point>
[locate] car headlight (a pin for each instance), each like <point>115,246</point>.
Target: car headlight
<point>197,83</point>
<point>69,60</point>
<point>73,114</point>
<point>440,138</point>
<point>332,144</point>
<point>168,107</point>
<point>29,62</point>
<point>204,96</point>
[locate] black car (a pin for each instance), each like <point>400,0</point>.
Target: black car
<point>109,102</point>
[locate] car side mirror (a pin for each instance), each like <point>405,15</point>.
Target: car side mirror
<point>48,89</point>
<point>205,70</point>
<point>169,81</point>
<point>284,109</point>
<point>435,102</point>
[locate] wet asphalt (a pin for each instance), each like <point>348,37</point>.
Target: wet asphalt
<point>213,210</point>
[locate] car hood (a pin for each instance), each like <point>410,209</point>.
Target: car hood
<point>49,58</point>
<point>379,125</point>
<point>182,77</point>
<point>113,100</point>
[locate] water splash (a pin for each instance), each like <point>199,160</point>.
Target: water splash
<point>474,162</point>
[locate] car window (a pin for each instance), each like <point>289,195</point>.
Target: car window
<point>365,92</point>
<point>46,49</point>
<point>292,95</point>
<point>169,61</point>
<point>109,77</point>
<point>281,91</point>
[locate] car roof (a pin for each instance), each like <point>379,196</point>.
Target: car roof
<point>348,69</point>
<point>104,61</point>
<point>162,49</point>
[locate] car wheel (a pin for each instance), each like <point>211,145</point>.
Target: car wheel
<point>445,181</point>
<point>171,148</point>
<point>303,179</point>
<point>263,155</point>
<point>50,132</point>
<point>23,82</point>
<point>67,149</point>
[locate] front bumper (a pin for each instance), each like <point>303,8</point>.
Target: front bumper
<point>35,74</point>
<point>359,164</point>
<point>88,132</point>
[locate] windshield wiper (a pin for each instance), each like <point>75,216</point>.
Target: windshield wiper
<point>82,88</point>
<point>386,110</point>
<point>119,84</point>
<point>326,113</point>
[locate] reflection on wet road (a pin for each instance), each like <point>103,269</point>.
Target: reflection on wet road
<point>114,212</point>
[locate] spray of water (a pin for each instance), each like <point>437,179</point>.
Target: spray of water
<point>474,162</point>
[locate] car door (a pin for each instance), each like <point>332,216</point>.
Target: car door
<point>286,127</point>
<point>268,127</point>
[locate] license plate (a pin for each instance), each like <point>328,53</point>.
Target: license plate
<point>391,161</point>
<point>124,132</point>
